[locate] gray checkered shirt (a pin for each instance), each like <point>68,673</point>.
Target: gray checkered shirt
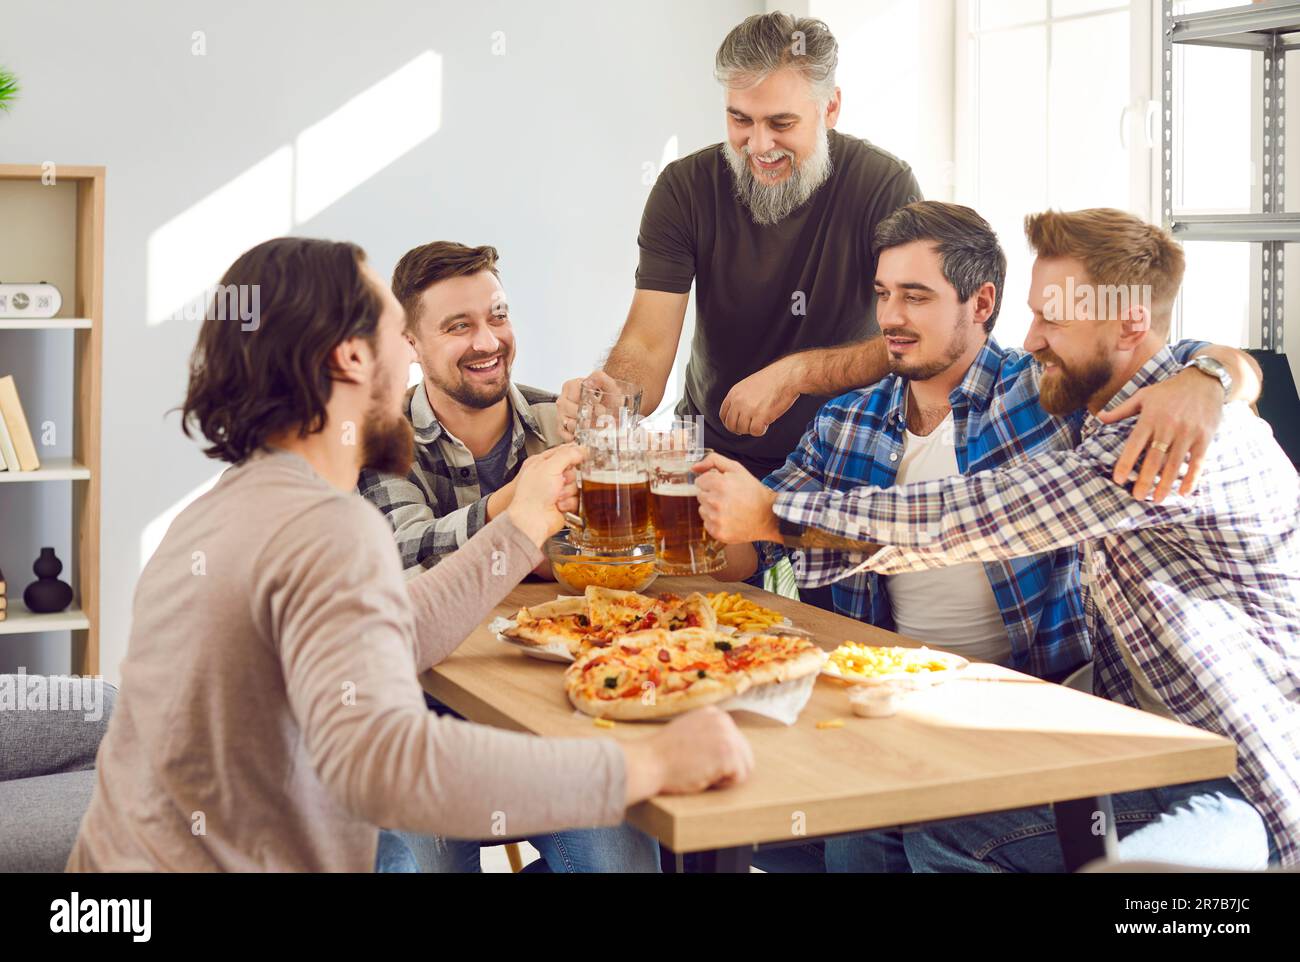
<point>439,506</point>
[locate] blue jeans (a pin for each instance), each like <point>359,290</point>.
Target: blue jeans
<point>393,855</point>
<point>1206,824</point>
<point>619,849</point>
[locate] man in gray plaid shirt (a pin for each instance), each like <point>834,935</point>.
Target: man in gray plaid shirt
<point>473,430</point>
<point>473,425</point>
<point>1192,602</point>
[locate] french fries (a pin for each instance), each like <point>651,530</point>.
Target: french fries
<point>742,614</point>
<point>853,660</point>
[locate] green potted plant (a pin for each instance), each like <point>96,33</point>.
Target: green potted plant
<point>8,88</point>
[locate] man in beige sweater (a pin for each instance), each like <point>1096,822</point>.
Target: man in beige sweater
<point>270,717</point>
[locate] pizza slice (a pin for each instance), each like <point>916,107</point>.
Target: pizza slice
<point>694,611</point>
<point>651,674</point>
<point>620,610</point>
<point>770,659</point>
<point>563,622</point>
<point>624,611</point>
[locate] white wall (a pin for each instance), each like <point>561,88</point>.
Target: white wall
<point>542,151</point>
<point>896,76</point>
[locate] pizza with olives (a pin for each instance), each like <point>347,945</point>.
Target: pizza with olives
<point>604,614</point>
<point>658,673</point>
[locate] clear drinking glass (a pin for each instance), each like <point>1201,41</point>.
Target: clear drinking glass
<point>606,402</point>
<point>682,546</point>
<point>613,488</point>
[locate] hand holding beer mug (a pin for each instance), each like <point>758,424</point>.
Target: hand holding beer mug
<point>682,546</point>
<point>606,402</point>
<point>545,492</point>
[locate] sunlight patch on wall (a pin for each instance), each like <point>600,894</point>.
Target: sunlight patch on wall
<point>366,134</point>
<point>190,252</point>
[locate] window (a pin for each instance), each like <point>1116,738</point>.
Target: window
<point>1051,116</point>
<point>1214,173</point>
<point>1060,109</point>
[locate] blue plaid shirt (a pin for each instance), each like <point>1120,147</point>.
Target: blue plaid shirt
<point>857,439</point>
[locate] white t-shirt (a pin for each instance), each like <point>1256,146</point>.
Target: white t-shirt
<point>951,607</point>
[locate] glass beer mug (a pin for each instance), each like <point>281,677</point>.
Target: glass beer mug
<point>682,546</point>
<point>613,489</point>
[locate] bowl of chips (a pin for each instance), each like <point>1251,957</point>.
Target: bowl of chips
<point>576,566</point>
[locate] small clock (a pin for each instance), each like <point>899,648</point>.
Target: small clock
<point>29,300</point>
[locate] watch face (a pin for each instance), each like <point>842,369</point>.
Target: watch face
<point>1215,369</point>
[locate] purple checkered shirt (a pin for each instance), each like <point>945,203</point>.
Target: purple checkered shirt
<point>1202,593</point>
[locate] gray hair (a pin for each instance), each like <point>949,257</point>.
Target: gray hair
<point>766,42</point>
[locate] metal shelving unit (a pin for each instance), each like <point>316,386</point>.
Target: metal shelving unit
<point>1272,29</point>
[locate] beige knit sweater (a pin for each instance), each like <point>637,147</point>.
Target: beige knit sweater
<point>270,717</point>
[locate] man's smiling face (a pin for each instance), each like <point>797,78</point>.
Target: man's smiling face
<point>1070,343</point>
<point>777,145</point>
<point>464,339</point>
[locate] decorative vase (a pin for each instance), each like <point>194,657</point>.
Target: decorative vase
<point>47,594</point>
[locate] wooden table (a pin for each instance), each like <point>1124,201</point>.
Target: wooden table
<point>994,739</point>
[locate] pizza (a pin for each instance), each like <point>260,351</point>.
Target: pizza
<point>604,614</point>
<point>632,611</point>
<point>563,621</point>
<point>657,673</point>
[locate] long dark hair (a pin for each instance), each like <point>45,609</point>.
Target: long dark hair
<point>266,370</point>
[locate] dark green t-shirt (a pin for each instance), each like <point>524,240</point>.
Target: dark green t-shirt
<point>752,281</point>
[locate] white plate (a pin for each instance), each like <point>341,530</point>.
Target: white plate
<point>552,652</point>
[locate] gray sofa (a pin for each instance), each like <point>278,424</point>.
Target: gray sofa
<point>47,769</point>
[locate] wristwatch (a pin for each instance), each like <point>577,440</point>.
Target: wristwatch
<point>1208,365</point>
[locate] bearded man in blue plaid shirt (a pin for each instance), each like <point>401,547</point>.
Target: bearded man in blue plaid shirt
<point>1192,601</point>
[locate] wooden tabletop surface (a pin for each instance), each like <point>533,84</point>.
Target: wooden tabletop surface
<point>993,739</point>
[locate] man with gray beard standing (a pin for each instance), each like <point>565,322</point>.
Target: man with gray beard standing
<point>774,227</point>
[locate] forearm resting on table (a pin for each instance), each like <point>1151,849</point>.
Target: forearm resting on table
<point>423,773</point>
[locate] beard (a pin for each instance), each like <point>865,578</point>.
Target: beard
<point>461,390</point>
<point>771,203</point>
<point>923,370</point>
<point>387,439</point>
<point>1071,387</point>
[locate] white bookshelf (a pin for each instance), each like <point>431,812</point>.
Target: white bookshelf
<point>51,469</point>
<point>46,324</point>
<point>19,620</point>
